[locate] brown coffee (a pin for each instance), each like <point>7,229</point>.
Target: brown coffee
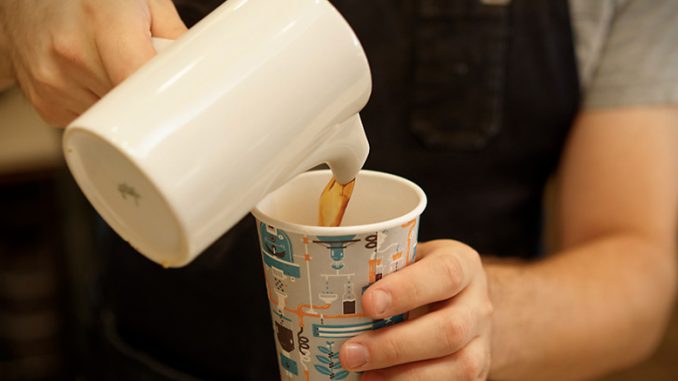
<point>333,202</point>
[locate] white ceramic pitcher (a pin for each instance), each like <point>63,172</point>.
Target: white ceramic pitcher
<point>256,93</point>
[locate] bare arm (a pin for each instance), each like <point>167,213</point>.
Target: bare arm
<point>601,303</point>
<point>6,75</point>
<point>598,305</point>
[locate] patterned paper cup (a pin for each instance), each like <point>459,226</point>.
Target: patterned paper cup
<point>316,276</point>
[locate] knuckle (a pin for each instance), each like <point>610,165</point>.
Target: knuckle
<point>453,333</point>
<point>89,8</point>
<point>468,251</point>
<point>471,368</point>
<point>452,271</point>
<point>45,77</point>
<point>66,47</point>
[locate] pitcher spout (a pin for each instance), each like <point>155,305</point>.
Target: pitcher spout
<point>348,150</point>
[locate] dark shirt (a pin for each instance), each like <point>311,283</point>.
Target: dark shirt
<point>471,101</point>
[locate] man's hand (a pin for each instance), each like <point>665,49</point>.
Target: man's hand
<point>67,54</point>
<point>450,337</point>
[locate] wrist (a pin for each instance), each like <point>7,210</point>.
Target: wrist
<point>508,347</point>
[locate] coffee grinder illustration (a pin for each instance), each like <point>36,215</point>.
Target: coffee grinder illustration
<point>279,257</point>
<point>336,246</point>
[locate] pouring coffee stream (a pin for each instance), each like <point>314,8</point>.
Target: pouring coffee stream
<point>334,201</point>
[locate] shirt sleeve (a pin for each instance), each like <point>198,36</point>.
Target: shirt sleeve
<point>638,64</point>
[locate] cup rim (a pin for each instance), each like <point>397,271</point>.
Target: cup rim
<point>413,214</point>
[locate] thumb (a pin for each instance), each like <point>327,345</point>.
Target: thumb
<point>165,20</point>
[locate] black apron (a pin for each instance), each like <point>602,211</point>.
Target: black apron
<point>471,101</point>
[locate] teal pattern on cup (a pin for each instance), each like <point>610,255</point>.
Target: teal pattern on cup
<point>316,276</point>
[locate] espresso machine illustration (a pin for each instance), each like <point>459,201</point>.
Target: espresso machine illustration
<point>308,325</point>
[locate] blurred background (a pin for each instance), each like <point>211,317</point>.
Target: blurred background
<point>48,265</point>
<point>47,278</point>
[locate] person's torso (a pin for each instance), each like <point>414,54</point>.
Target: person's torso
<point>472,101</point>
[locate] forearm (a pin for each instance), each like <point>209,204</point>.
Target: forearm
<point>594,308</point>
<point>6,72</point>
<point>6,76</point>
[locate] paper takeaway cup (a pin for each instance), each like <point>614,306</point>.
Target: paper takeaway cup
<point>316,276</point>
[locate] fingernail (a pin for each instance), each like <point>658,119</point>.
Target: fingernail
<point>381,301</point>
<point>356,355</point>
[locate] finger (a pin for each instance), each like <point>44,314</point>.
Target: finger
<point>95,83</point>
<point>91,76</point>
<point>426,248</point>
<point>67,118</point>
<point>55,115</point>
<point>56,92</point>
<point>434,335</point>
<point>80,100</point>
<point>79,61</point>
<point>56,100</point>
<point>471,363</point>
<point>125,47</point>
<point>61,110</point>
<point>165,20</point>
<point>440,274</point>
